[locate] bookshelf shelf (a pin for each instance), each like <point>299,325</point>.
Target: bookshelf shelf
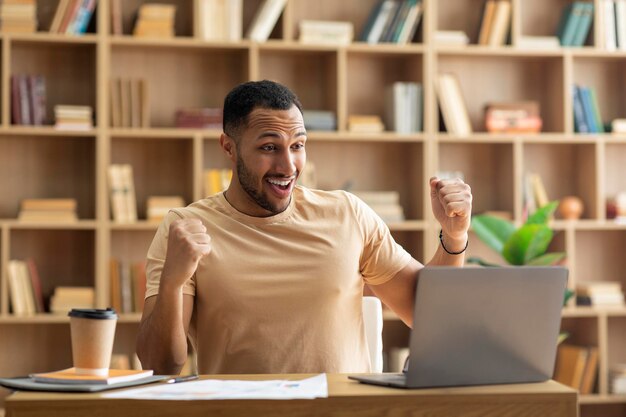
<point>57,319</point>
<point>187,72</point>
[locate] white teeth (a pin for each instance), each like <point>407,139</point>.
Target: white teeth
<point>277,182</point>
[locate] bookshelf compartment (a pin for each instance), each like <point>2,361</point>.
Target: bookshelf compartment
<point>464,15</point>
<point>312,75</point>
<point>600,255</point>
<point>605,75</point>
<point>565,169</point>
<point>161,167</point>
<point>70,263</point>
<point>69,70</point>
<point>488,168</point>
<point>511,78</point>
<point>354,11</point>
<point>180,77</point>
<point>183,18</point>
<point>370,74</point>
<point>364,166</point>
<point>47,167</point>
<point>615,180</point>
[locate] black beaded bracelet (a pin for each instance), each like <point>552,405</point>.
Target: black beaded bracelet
<point>444,246</point>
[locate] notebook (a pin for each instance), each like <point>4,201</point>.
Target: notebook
<point>481,326</point>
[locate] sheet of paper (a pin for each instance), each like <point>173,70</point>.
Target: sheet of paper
<point>216,389</point>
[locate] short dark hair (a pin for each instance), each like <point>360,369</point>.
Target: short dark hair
<point>246,97</point>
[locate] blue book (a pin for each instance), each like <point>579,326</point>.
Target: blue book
<point>569,22</point>
<point>370,21</point>
<point>588,109</point>
<point>584,24</point>
<point>580,123</point>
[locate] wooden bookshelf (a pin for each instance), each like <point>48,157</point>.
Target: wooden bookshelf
<point>188,71</point>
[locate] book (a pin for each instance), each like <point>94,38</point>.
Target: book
<point>570,365</point>
<point>326,32</point>
<point>487,22</point>
<point>452,105</point>
<point>500,24</point>
<point>265,19</point>
<point>69,376</point>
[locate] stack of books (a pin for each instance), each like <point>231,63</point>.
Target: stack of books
<point>158,207</point>
<point>122,193</point>
<point>513,117</point>
<point>617,379</point>
<point>72,17</point>
<point>599,293</point>
<point>199,118</point>
<point>220,20</point>
<point>24,285</point>
<point>28,99</point>
<point>73,117</point>
<point>384,203</point>
<point>496,21</point>
<point>155,21</point>
<point>326,32</point>
<point>66,298</point>
<point>319,120</point>
<point>404,104</point>
<point>577,367</point>
<point>359,123</point>
<point>450,38</point>
<point>393,21</point>
<point>129,103</point>
<point>48,210</point>
<point>18,16</point>
<point>216,180</point>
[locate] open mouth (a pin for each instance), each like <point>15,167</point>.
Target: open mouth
<point>280,187</point>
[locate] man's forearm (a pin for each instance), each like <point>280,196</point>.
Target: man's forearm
<point>162,340</point>
<point>443,258</point>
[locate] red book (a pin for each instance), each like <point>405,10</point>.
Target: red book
<point>36,283</point>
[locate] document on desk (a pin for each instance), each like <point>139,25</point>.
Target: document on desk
<point>218,389</point>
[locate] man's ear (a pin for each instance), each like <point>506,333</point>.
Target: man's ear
<point>228,145</point>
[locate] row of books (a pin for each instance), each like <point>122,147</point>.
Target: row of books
<point>24,285</point>
<point>587,118</point>
<point>18,16</point>
<point>122,193</point>
<point>495,24</point>
<point>612,18</point>
<point>575,23</point>
<point>72,17</point>
<point>129,103</point>
<point>404,107</point>
<point>513,117</point>
<point>577,367</point>
<point>155,21</point>
<point>127,286</point>
<point>452,105</point>
<point>199,118</point>
<point>600,293</point>
<point>28,99</point>
<point>534,194</point>
<point>319,120</point>
<point>48,210</point>
<point>394,21</point>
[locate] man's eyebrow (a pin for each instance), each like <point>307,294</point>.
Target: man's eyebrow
<point>270,134</point>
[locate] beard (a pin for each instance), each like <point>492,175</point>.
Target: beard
<point>248,182</point>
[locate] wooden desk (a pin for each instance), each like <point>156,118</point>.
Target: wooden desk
<point>346,398</point>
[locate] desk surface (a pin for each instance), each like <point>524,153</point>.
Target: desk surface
<point>346,398</point>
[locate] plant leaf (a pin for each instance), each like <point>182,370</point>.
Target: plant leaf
<point>492,230</point>
<point>478,261</point>
<point>528,242</point>
<point>548,259</point>
<point>543,214</point>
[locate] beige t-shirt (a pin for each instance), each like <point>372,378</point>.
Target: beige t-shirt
<point>282,294</point>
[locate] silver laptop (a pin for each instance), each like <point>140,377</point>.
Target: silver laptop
<point>481,326</point>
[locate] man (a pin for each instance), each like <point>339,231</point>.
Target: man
<point>267,277</point>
